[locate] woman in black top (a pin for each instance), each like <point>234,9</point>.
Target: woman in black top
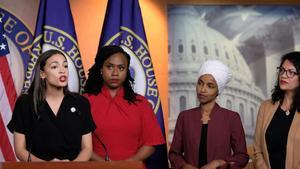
<point>277,134</point>
<point>49,122</point>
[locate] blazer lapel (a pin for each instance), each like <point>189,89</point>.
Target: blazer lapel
<point>290,142</point>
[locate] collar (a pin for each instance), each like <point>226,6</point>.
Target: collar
<point>106,93</point>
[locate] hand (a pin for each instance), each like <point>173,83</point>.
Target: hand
<point>65,160</point>
<point>214,164</point>
<point>58,160</point>
<point>229,165</point>
<point>132,159</point>
<point>188,166</point>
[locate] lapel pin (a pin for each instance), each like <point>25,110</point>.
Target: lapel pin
<point>73,109</point>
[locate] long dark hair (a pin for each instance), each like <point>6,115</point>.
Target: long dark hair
<point>95,81</point>
<point>277,93</point>
<point>38,85</point>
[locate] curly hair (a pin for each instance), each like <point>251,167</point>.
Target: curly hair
<point>95,80</point>
<point>277,93</point>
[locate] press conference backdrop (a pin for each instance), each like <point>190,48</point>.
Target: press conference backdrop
<point>249,39</point>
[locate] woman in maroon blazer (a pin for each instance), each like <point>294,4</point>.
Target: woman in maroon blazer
<point>209,136</point>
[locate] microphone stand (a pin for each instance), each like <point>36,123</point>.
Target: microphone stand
<point>104,147</point>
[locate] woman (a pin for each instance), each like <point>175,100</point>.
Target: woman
<point>125,120</point>
<point>209,136</point>
<point>50,123</point>
<point>277,134</point>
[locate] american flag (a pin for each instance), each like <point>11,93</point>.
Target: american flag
<point>8,97</point>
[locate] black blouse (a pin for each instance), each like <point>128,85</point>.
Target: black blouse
<point>203,146</point>
<point>49,136</point>
<point>276,137</point>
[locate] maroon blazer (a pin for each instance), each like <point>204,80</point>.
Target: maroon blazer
<point>225,138</point>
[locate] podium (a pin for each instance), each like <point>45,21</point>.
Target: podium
<point>72,165</point>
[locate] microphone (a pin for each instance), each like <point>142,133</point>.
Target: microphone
<point>78,112</point>
<point>104,147</point>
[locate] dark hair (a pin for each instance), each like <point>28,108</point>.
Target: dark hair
<point>38,86</point>
<point>277,93</point>
<point>95,81</point>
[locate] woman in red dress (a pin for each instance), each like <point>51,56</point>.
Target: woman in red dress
<point>126,123</point>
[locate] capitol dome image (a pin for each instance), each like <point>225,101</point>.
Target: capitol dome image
<point>191,42</point>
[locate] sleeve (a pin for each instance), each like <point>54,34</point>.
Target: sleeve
<point>151,132</point>
<point>258,158</point>
<point>88,122</point>
<point>176,150</point>
<point>238,143</point>
<point>17,122</point>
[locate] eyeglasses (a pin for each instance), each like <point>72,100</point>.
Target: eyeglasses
<point>289,73</point>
